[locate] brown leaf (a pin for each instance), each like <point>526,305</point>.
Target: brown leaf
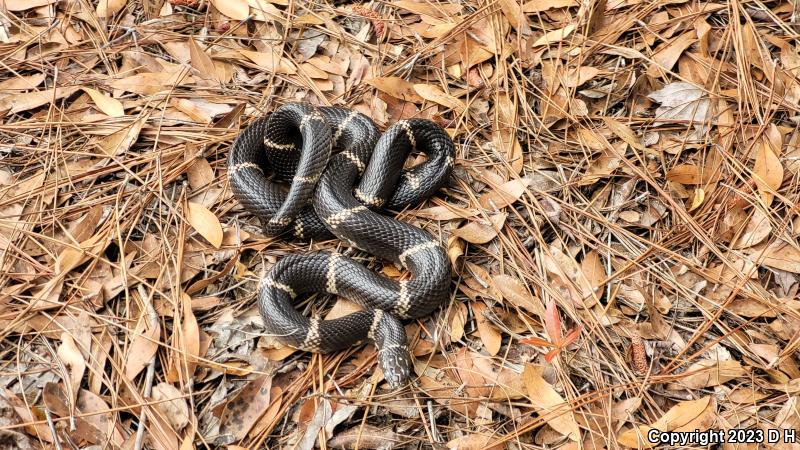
<point>490,336</point>
<point>71,357</point>
<point>768,170</point>
<point>685,416</point>
<point>172,405</point>
<point>549,404</point>
<point>149,83</point>
<point>242,411</point>
<point>692,174</point>
<point>107,8</point>
<point>205,222</point>
<point>440,10</point>
<point>397,88</point>
<point>270,61</point>
<point>757,229</point>
<point>435,94</point>
<point>505,132</point>
<point>22,5</point>
<point>120,141</point>
<point>235,9</point>
<point>30,100</point>
<point>579,75</point>
<point>516,294</point>
<point>201,61</point>
<point>142,348</point>
<point>188,342</point>
<point>458,318</point>
<point>535,6</point>
<point>780,255</point>
<point>515,16</point>
<point>478,231</point>
<point>108,105</point>
<point>666,55</point>
<point>555,35</point>
<point>505,194</point>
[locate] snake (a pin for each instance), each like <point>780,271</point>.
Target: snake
<point>342,175</point>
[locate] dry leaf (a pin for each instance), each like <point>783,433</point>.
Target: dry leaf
<point>436,95</point>
<point>120,141</point>
<point>109,105</point>
<point>692,174</point>
<point>172,405</point>
<point>685,416</point>
<point>505,194</point>
<point>71,356</point>
<point>490,336</point>
<point>680,102</point>
<point>440,10</point>
<point>142,348</point>
<point>201,61</point>
<point>30,100</point>
<point>397,88</point>
<point>270,61</point>
<point>768,170</point>
<point>549,404</point>
<point>22,5</point>
<point>205,222</point>
<point>235,9</point>
<point>515,293</point>
<point>555,36</point>
<point>107,8</point>
<point>479,231</point>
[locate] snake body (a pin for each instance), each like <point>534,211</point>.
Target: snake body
<point>339,195</point>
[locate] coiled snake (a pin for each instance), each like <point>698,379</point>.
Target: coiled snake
<point>326,197</point>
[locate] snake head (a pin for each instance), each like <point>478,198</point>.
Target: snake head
<point>396,365</point>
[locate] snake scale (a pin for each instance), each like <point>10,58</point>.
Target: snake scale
<point>341,172</point>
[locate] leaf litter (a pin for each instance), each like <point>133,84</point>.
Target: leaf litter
<point>621,223</point>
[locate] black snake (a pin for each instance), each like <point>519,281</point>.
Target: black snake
<point>327,197</point>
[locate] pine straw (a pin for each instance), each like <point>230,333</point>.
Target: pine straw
<point>622,222</point>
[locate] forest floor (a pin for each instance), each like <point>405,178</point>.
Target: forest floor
<point>622,223</point>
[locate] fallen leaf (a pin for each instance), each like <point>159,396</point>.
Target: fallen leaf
<point>692,174</point>
<point>22,102</point>
<point>555,35</point>
<point>270,61</point>
<point>71,356</point>
<point>667,54</point>
<point>709,373</point>
<point>171,403</point>
<point>121,141</point>
<point>504,195</point>
<point>682,101</point>
<point>108,105</point>
<point>205,222</point>
<point>22,5</point>
<point>235,9</point>
<point>489,334</point>
<point>480,231</point>
<point>397,88</point>
<point>142,348</point>
<point>107,8</point>
<point>768,170</point>
<point>685,416</point>
<point>549,404</point>
<point>440,10</point>
<point>515,293</point>
<point>436,95</point>
<point>757,229</point>
<point>201,61</point>
<point>513,12</point>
